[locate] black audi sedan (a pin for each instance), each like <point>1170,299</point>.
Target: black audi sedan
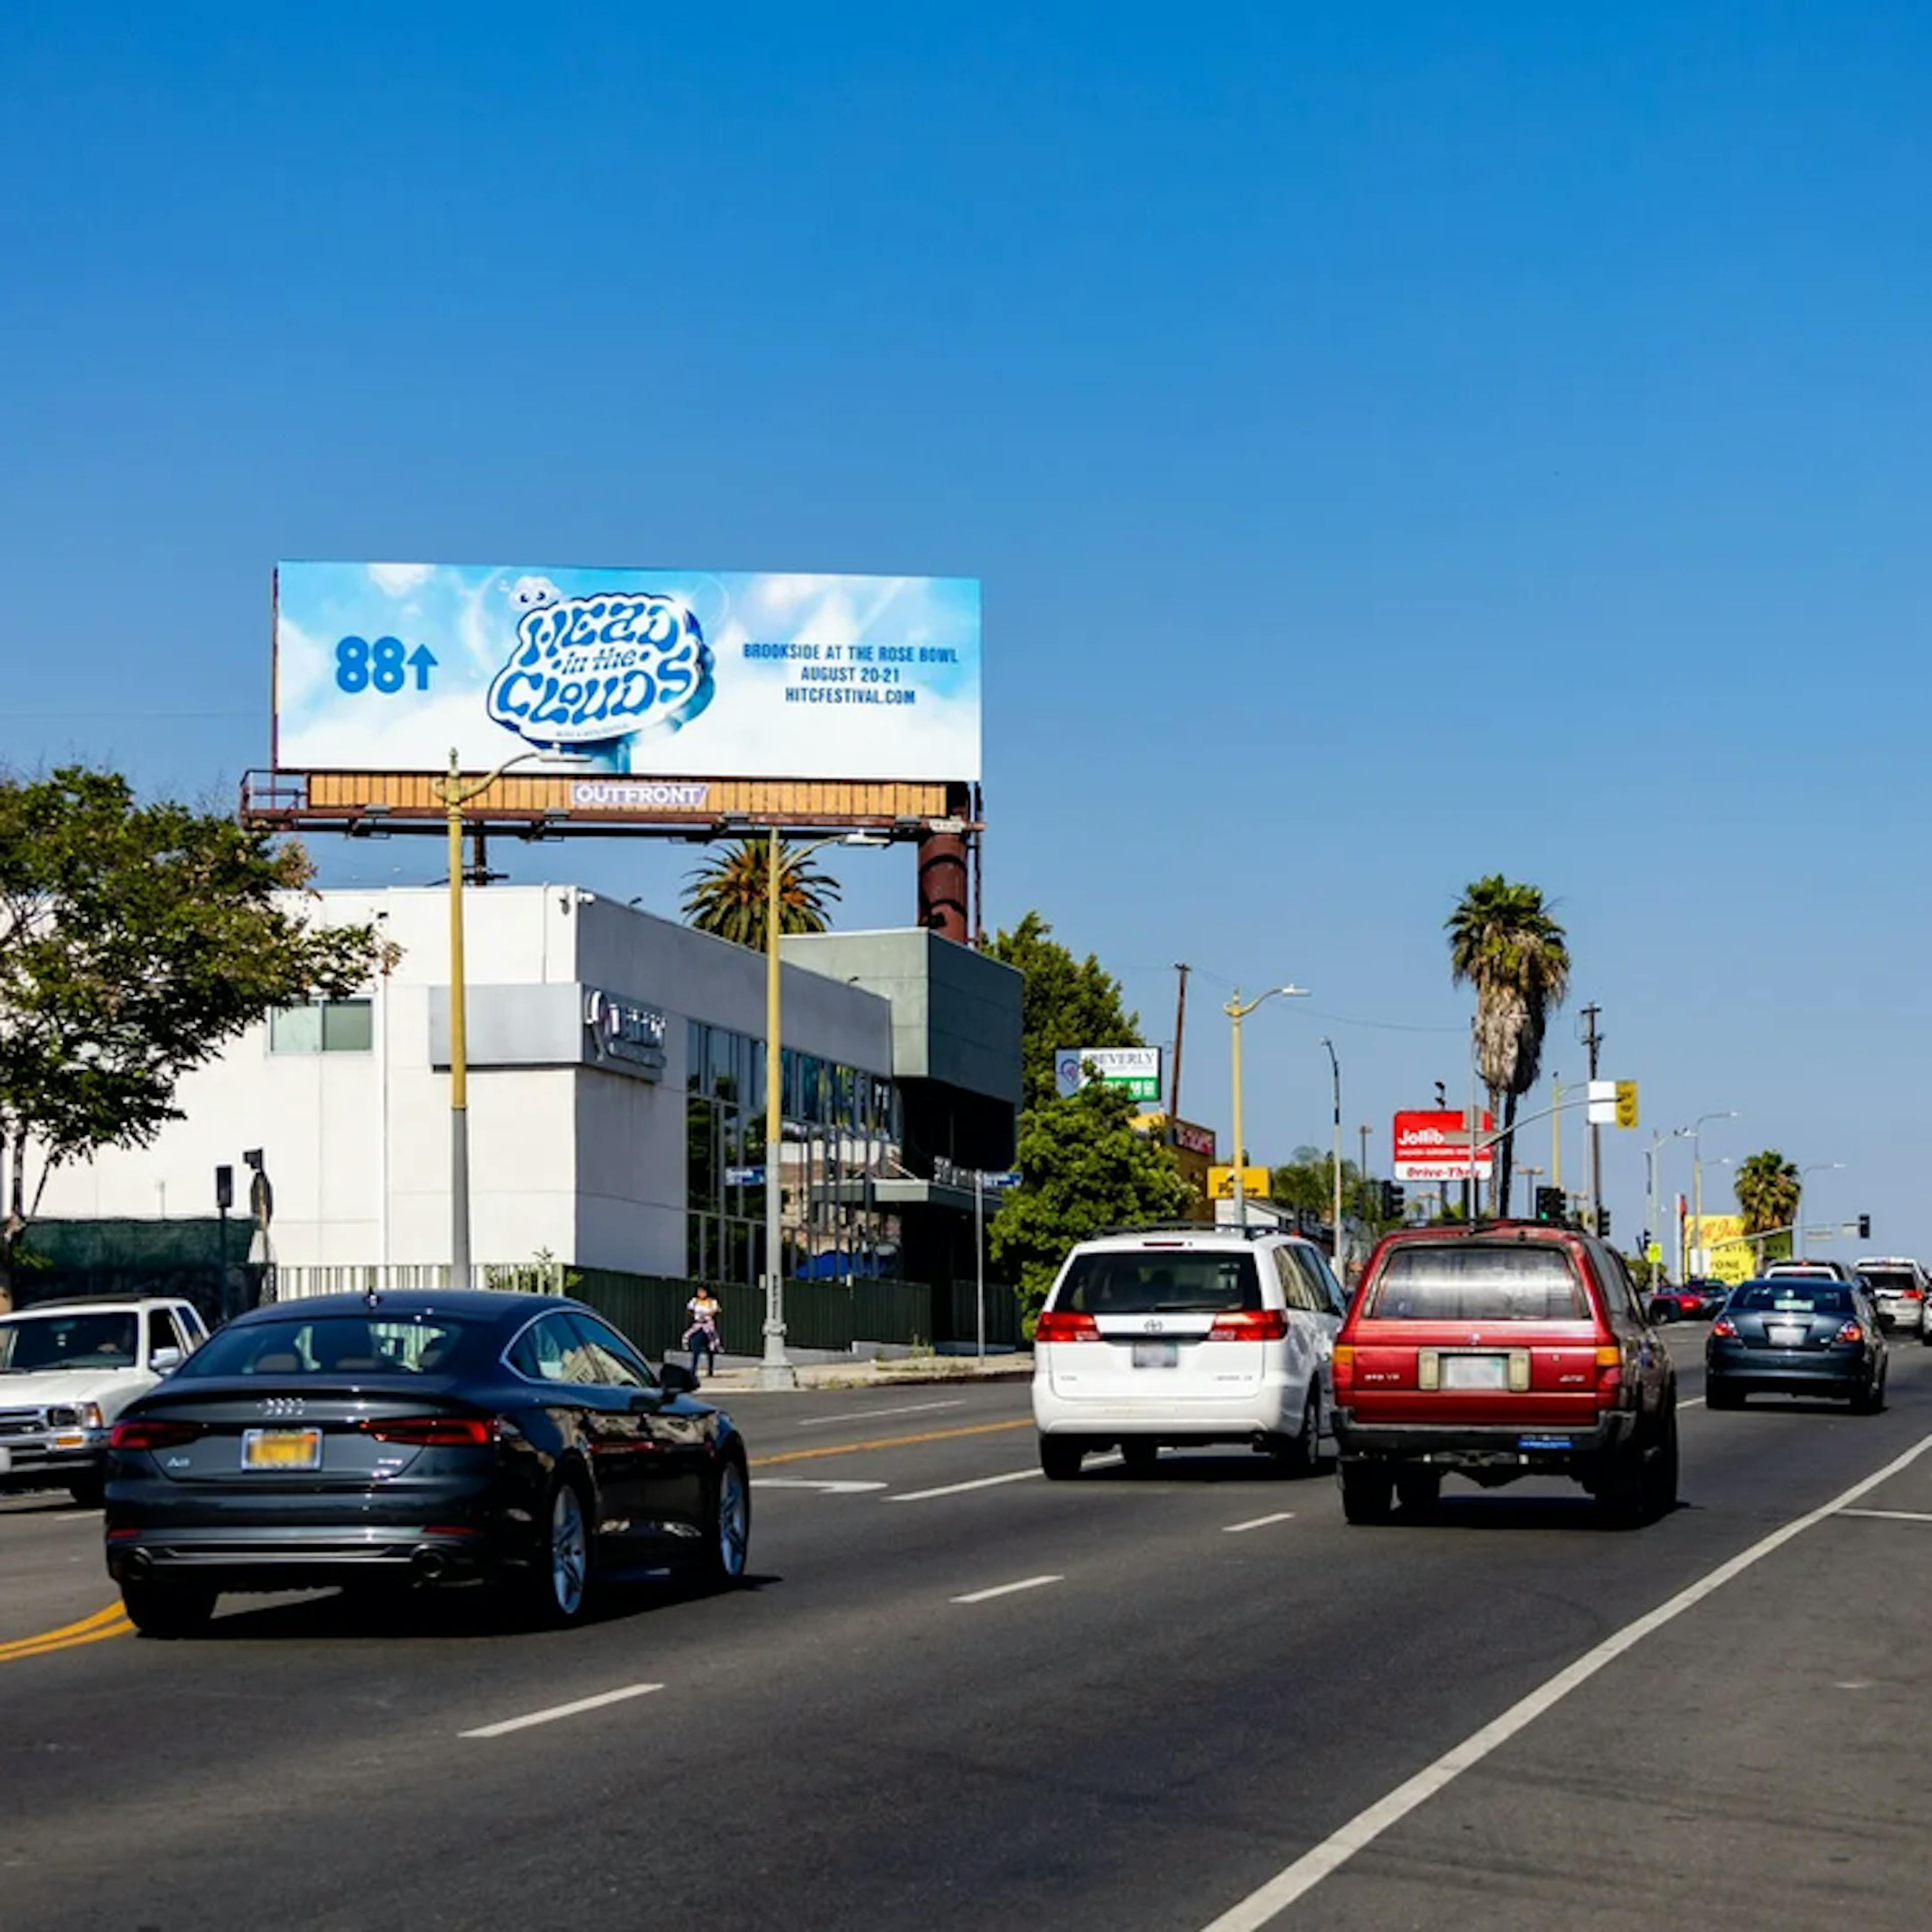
<point>1796,1335</point>
<point>515,1440</point>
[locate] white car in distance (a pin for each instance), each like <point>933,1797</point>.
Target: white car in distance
<point>1185,1335</point>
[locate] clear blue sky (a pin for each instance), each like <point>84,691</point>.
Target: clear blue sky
<point>1399,442</point>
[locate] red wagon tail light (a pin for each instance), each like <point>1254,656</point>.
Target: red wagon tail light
<point>152,1435</point>
<point>1250,1324</point>
<point>433,1432</point>
<point>1065,1325</point>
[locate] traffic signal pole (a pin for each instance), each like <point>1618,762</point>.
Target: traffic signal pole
<point>1593,1040</point>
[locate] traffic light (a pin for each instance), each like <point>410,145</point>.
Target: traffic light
<point>1549,1205</point>
<point>1604,1222</point>
<point>1393,1200</point>
<point>1865,1227</point>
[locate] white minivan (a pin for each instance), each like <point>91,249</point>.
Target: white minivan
<point>1184,1336</point>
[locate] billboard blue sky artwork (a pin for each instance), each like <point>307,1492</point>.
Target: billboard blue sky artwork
<point>386,666</point>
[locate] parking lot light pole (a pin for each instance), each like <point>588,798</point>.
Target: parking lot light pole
<point>1692,1133</point>
<point>1237,1012</point>
<point>775,1366</point>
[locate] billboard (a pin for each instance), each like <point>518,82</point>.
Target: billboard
<point>1716,1246</point>
<point>1135,1068</point>
<point>659,675</point>
<point>1431,1146</point>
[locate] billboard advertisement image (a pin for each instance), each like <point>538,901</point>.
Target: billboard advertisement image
<point>663,674</point>
<point>1135,1068</point>
<point>1431,1146</point>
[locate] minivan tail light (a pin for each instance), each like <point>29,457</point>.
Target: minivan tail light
<point>1065,1325</point>
<point>1250,1324</point>
<point>153,1434</point>
<point>432,1432</point>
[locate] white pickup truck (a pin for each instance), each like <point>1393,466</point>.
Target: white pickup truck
<point>67,1370</point>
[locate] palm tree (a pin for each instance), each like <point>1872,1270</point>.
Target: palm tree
<point>728,893</point>
<point>1503,942</point>
<point>1768,1189</point>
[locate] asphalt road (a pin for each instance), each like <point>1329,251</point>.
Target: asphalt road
<point>1212,1704</point>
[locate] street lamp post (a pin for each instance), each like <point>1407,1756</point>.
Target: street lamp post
<point>1335,1069</point>
<point>1693,1134</point>
<point>1237,1012</point>
<point>775,1367</point>
<point>455,795</point>
<point>1797,1209</point>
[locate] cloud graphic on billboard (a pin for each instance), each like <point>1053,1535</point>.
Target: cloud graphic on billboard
<point>590,671</point>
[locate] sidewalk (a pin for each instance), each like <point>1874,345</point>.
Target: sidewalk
<point>737,1374</point>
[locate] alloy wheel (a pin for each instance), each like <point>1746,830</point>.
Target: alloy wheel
<point>569,1551</point>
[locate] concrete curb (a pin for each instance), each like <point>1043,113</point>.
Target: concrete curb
<point>903,1373</point>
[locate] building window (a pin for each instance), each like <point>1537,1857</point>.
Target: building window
<point>323,1026</point>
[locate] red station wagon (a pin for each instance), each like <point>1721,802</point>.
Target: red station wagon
<point>1496,1352</point>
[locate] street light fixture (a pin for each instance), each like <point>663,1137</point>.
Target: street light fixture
<point>775,1367</point>
<point>1797,1210</point>
<point>455,794</point>
<point>1237,1012</point>
<point>1335,1068</point>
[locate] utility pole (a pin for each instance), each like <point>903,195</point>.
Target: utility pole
<point>1174,1079</point>
<point>1592,1041</point>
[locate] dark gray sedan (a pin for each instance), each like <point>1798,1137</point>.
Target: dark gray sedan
<point>1796,1335</point>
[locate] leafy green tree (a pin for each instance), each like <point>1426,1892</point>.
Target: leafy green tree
<point>135,941</point>
<point>1067,1003</point>
<point>1086,1168</point>
<point>727,894</point>
<point>1768,1190</point>
<point>1503,942</point>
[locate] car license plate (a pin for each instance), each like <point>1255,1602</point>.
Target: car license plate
<point>1156,1354</point>
<point>1782,1337</point>
<point>1475,1372</point>
<point>281,1449</point>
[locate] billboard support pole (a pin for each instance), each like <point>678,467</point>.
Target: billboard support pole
<point>775,1370</point>
<point>459,1045</point>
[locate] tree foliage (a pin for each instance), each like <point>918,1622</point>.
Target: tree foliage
<point>1086,1168</point>
<point>1768,1190</point>
<point>135,941</point>
<point>1067,1003</point>
<point>1505,942</point>
<point>727,894</point>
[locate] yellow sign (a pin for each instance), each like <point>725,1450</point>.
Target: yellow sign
<point>1626,1103</point>
<point>1221,1183</point>
<point>1718,1241</point>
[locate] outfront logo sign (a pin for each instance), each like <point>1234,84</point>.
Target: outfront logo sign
<point>655,676</point>
<point>1431,1146</point>
<point>624,1029</point>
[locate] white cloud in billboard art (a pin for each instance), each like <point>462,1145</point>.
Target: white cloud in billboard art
<point>398,580</point>
<point>528,593</point>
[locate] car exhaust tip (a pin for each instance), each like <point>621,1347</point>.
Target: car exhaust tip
<point>430,1565</point>
<point>137,1567</point>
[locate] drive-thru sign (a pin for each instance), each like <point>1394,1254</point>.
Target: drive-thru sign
<point>1432,1146</point>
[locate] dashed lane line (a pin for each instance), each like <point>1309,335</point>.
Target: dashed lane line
<point>1891,1515</point>
<point>989,1482</point>
<point>873,1415</point>
<point>890,1442</point>
<point>556,1711</point>
<point>1007,1589</point>
<point>1258,1522</point>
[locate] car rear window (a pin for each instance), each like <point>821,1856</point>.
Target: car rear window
<point>1477,1283</point>
<point>329,1344</point>
<point>1796,1293</point>
<point>1124,1283</point>
<point>1892,1281</point>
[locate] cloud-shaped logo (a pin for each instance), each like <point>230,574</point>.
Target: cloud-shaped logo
<point>528,593</point>
<point>590,670</point>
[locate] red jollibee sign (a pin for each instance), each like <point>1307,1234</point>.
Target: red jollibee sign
<point>1432,1146</point>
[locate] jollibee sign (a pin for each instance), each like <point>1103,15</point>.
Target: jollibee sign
<point>1432,1146</point>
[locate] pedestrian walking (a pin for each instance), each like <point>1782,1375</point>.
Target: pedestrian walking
<point>701,1337</point>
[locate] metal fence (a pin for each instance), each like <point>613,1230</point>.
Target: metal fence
<point>1003,1315</point>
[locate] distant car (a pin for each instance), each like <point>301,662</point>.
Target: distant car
<point>1499,1352</point>
<point>1796,1335</point>
<point>67,1370</point>
<point>419,1437</point>
<point>1814,1265</point>
<point>1900,1287</point>
<point>1185,1337</point>
<point>1695,1301</point>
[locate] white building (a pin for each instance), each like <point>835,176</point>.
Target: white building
<point>615,1092</point>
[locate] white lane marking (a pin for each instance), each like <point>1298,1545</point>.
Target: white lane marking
<point>1259,1523</point>
<point>1006,1589</point>
<point>827,1489</point>
<point>867,1414</point>
<point>1691,1401</point>
<point>1335,1851</point>
<point>551,1716</point>
<point>1891,1515</point>
<point>991,1482</point>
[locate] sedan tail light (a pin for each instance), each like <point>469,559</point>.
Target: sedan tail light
<point>1250,1324</point>
<point>153,1434</point>
<point>1065,1325</point>
<point>1725,1327</point>
<point>1851,1332</point>
<point>1912,1294</point>
<point>433,1432</point>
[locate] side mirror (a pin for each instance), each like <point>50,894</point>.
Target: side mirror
<point>164,1360</point>
<point>674,1378</point>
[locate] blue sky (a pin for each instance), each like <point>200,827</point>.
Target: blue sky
<point>1399,442</point>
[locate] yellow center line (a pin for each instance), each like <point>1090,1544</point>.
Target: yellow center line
<point>888,1442</point>
<point>112,1621</point>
